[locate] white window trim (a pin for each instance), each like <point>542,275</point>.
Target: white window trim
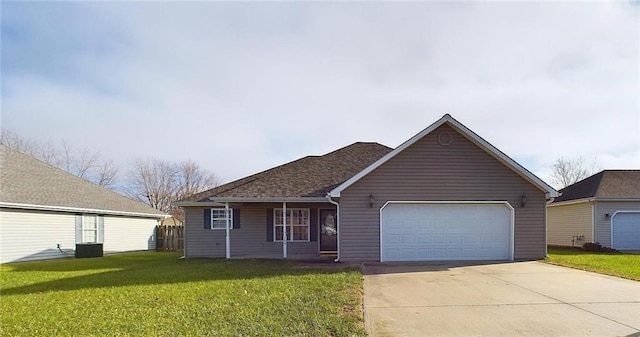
<point>276,224</point>
<point>211,227</point>
<point>95,229</point>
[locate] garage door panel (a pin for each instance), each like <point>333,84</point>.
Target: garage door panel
<point>470,238</point>
<point>446,232</point>
<point>625,231</point>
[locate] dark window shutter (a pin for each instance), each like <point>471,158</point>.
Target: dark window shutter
<point>236,218</point>
<point>78,228</point>
<point>207,218</point>
<point>100,238</point>
<point>313,224</point>
<point>270,224</point>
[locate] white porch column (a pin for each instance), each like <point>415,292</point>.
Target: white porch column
<point>227,225</point>
<point>284,232</point>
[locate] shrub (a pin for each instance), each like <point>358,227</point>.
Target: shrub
<point>597,247</point>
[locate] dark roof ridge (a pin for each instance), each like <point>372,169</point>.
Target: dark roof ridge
<point>352,144</point>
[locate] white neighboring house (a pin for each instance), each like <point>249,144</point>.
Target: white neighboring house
<point>45,211</point>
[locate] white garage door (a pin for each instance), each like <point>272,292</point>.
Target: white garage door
<point>445,231</point>
<point>625,231</point>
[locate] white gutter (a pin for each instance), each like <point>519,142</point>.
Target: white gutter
<point>259,199</point>
<point>337,226</point>
<point>81,210</point>
<point>570,202</point>
<point>197,204</point>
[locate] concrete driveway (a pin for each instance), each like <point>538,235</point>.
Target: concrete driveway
<point>504,299</point>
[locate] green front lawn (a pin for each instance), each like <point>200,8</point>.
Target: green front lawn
<point>616,264</point>
<point>156,294</point>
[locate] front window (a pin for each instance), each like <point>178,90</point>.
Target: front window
<point>89,228</point>
<point>219,218</point>
<point>297,224</point>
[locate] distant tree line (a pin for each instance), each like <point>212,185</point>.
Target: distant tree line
<point>152,181</point>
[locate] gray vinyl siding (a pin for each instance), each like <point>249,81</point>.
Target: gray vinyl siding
<point>250,240</point>
<point>603,223</point>
<point>200,242</point>
<point>566,221</point>
<point>428,171</point>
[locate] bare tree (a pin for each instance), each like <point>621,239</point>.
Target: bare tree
<point>152,182</point>
<point>157,183</point>
<point>568,171</point>
<point>192,179</point>
<point>79,162</point>
<point>24,145</point>
<point>106,174</point>
<point>82,163</point>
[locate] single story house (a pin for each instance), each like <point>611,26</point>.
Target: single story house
<point>444,194</point>
<point>45,211</point>
<point>603,208</point>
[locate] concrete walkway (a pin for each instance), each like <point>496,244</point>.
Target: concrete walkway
<point>504,299</point>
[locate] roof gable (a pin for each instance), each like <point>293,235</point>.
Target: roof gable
<point>307,177</point>
<point>26,182</point>
<point>467,133</point>
<point>607,184</point>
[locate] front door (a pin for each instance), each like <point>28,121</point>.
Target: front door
<point>328,230</point>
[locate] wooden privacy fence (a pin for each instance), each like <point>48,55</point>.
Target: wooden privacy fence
<point>170,238</point>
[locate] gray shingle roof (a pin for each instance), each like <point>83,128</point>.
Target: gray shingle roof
<point>26,180</point>
<point>311,176</point>
<point>613,184</point>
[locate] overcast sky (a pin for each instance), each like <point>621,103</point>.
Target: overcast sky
<point>242,87</point>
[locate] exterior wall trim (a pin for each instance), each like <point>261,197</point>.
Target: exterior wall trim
<point>81,210</point>
<point>611,222</point>
<point>506,203</point>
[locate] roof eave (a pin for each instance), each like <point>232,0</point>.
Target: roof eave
<point>616,199</point>
<point>570,202</point>
<point>268,199</point>
<point>486,146</point>
<point>220,201</point>
<point>81,210</point>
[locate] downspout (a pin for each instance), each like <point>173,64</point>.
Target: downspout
<point>593,220</point>
<point>337,226</point>
<point>228,238</point>
<point>546,223</point>
<point>284,230</point>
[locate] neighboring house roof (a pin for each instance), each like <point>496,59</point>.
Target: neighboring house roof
<point>471,136</point>
<point>308,177</point>
<point>28,183</point>
<point>608,184</point>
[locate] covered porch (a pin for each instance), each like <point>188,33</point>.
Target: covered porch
<point>255,228</point>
